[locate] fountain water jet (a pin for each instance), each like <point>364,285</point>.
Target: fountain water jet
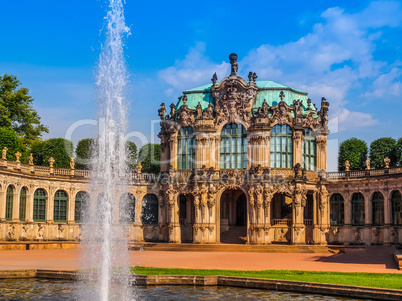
<point>104,240</point>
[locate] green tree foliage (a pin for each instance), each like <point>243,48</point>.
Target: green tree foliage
<point>381,148</point>
<point>83,153</point>
<point>60,149</point>
<point>150,157</point>
<point>131,150</point>
<point>398,152</point>
<point>16,111</point>
<point>354,150</point>
<point>9,139</point>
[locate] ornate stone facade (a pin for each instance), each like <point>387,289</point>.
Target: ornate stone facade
<point>237,155</point>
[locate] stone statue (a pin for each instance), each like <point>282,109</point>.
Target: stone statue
<point>298,170</point>
<point>347,165</point>
<point>72,163</point>
<point>51,161</point>
<point>172,110</point>
<point>4,153</point>
<point>139,167</point>
<point>199,110</point>
<point>214,79</point>
<point>233,63</point>
<point>30,159</point>
<point>18,156</point>
<point>387,161</point>
<point>162,111</point>
<point>368,163</point>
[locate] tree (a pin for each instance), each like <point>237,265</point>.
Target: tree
<point>398,152</point>
<point>9,139</point>
<point>83,153</point>
<point>131,150</point>
<point>60,149</point>
<point>150,157</point>
<point>381,148</point>
<point>354,150</point>
<point>16,111</point>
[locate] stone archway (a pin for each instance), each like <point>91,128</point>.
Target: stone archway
<point>233,217</point>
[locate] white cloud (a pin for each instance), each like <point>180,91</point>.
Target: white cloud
<point>332,60</point>
<point>194,70</point>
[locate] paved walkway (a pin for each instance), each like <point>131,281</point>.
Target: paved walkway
<point>374,259</point>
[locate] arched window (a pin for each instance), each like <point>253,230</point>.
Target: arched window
<point>149,210</point>
<point>377,203</point>
<point>23,203</point>
<point>396,208</point>
<point>358,214</point>
<point>281,147</point>
<point>127,209</point>
<point>185,148</point>
<point>60,206</point>
<point>9,203</point>
<point>39,207</point>
<point>233,147</point>
<point>309,150</point>
<point>81,203</point>
<point>336,209</point>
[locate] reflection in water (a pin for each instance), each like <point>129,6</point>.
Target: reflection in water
<point>43,289</point>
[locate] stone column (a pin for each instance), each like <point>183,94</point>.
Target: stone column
<point>30,204</point>
<point>3,196</point>
<point>173,216</point>
<point>173,151</point>
<point>71,207</point>
<point>298,227</point>
<point>138,227</point>
<point>298,147</point>
<point>164,153</point>
<point>197,238</point>
<point>199,151</point>
<point>16,203</point>
<point>323,215</point>
<point>321,143</point>
<point>387,216</point>
<point>267,151</point>
<point>50,206</point>
<point>217,152</point>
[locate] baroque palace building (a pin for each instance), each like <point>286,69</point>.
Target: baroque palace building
<point>243,161</point>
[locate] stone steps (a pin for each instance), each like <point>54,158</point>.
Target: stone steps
<point>235,235</point>
<point>274,248</point>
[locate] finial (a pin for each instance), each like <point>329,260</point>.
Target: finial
<point>282,95</point>
<point>233,62</point>
<point>214,79</point>
<point>254,77</point>
<point>250,76</point>
<point>184,100</point>
<point>162,111</point>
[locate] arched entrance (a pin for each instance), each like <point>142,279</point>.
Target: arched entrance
<point>281,217</point>
<point>186,217</point>
<point>233,217</point>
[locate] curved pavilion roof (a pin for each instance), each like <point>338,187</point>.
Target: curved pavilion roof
<point>268,90</point>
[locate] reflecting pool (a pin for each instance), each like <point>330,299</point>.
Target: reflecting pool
<point>43,289</point>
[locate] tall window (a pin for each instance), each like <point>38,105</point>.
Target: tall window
<point>23,203</point>
<point>9,203</point>
<point>127,208</point>
<point>39,207</point>
<point>81,203</point>
<point>309,150</point>
<point>186,148</point>
<point>60,206</point>
<point>281,147</point>
<point>336,209</point>
<point>396,208</point>
<point>233,147</point>
<point>358,214</point>
<point>377,203</point>
<point>149,209</point>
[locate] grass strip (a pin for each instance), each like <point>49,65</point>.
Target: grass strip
<point>379,280</point>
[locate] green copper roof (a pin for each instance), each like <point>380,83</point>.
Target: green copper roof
<point>269,90</point>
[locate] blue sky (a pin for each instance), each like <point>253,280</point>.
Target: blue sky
<point>348,51</point>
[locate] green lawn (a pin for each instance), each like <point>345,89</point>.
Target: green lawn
<point>393,281</point>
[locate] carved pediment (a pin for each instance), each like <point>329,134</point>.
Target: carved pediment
<point>185,116</point>
<point>234,99</point>
<point>310,122</point>
<point>281,114</point>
